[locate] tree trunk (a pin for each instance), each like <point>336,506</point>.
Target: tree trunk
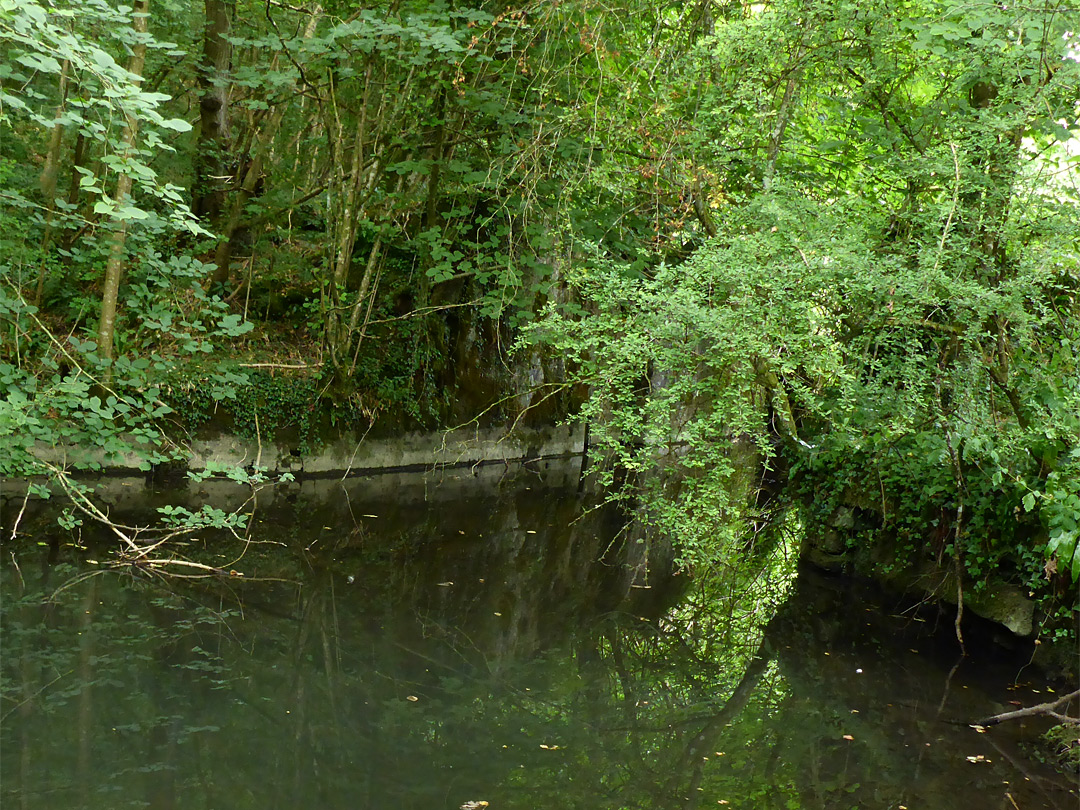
<point>351,186</point>
<point>260,147</point>
<point>114,267</point>
<point>208,193</point>
<point>48,180</point>
<point>783,115</point>
<point>78,159</point>
<point>346,184</point>
<point>988,211</point>
<point>224,252</point>
<point>51,169</point>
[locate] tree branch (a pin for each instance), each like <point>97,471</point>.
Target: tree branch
<point>1048,709</point>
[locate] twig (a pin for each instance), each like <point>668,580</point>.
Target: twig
<point>18,572</point>
<point>952,211</point>
<point>419,313</point>
<point>958,532</point>
<point>18,517</point>
<point>22,703</point>
<point>371,424</point>
<point>276,365</point>
<point>87,507</point>
<point>297,9</point>
<point>258,438</point>
<point>188,564</point>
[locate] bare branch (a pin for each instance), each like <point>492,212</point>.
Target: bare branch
<point>1048,709</point>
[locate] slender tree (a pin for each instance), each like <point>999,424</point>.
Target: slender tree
<point>213,148</point>
<point>114,266</point>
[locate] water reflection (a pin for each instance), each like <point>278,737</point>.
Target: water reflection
<point>427,644</point>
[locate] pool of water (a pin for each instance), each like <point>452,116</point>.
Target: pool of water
<point>484,636</point>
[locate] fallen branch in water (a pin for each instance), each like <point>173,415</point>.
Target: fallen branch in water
<point>279,365</point>
<point>1048,709</point>
<point>138,543</point>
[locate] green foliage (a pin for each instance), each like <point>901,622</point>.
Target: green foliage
<point>64,404</point>
<point>834,238</point>
<point>259,404</point>
<point>53,402</point>
<point>44,45</point>
<point>207,517</point>
<point>170,311</point>
<point>887,306</point>
<point>1061,510</point>
<point>1062,744</point>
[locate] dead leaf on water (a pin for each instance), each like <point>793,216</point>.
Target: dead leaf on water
<point>412,698</point>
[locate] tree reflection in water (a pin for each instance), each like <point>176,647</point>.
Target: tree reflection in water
<point>490,643</point>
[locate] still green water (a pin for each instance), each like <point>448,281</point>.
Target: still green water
<point>435,641</point>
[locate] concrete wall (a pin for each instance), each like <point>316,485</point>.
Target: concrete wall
<point>353,453</point>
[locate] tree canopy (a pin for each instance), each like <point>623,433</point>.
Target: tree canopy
<point>845,233</point>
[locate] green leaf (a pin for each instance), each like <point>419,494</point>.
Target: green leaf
<point>1066,547</point>
<point>40,62</point>
<point>176,124</point>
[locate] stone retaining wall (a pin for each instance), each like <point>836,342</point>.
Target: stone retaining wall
<point>354,453</point>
